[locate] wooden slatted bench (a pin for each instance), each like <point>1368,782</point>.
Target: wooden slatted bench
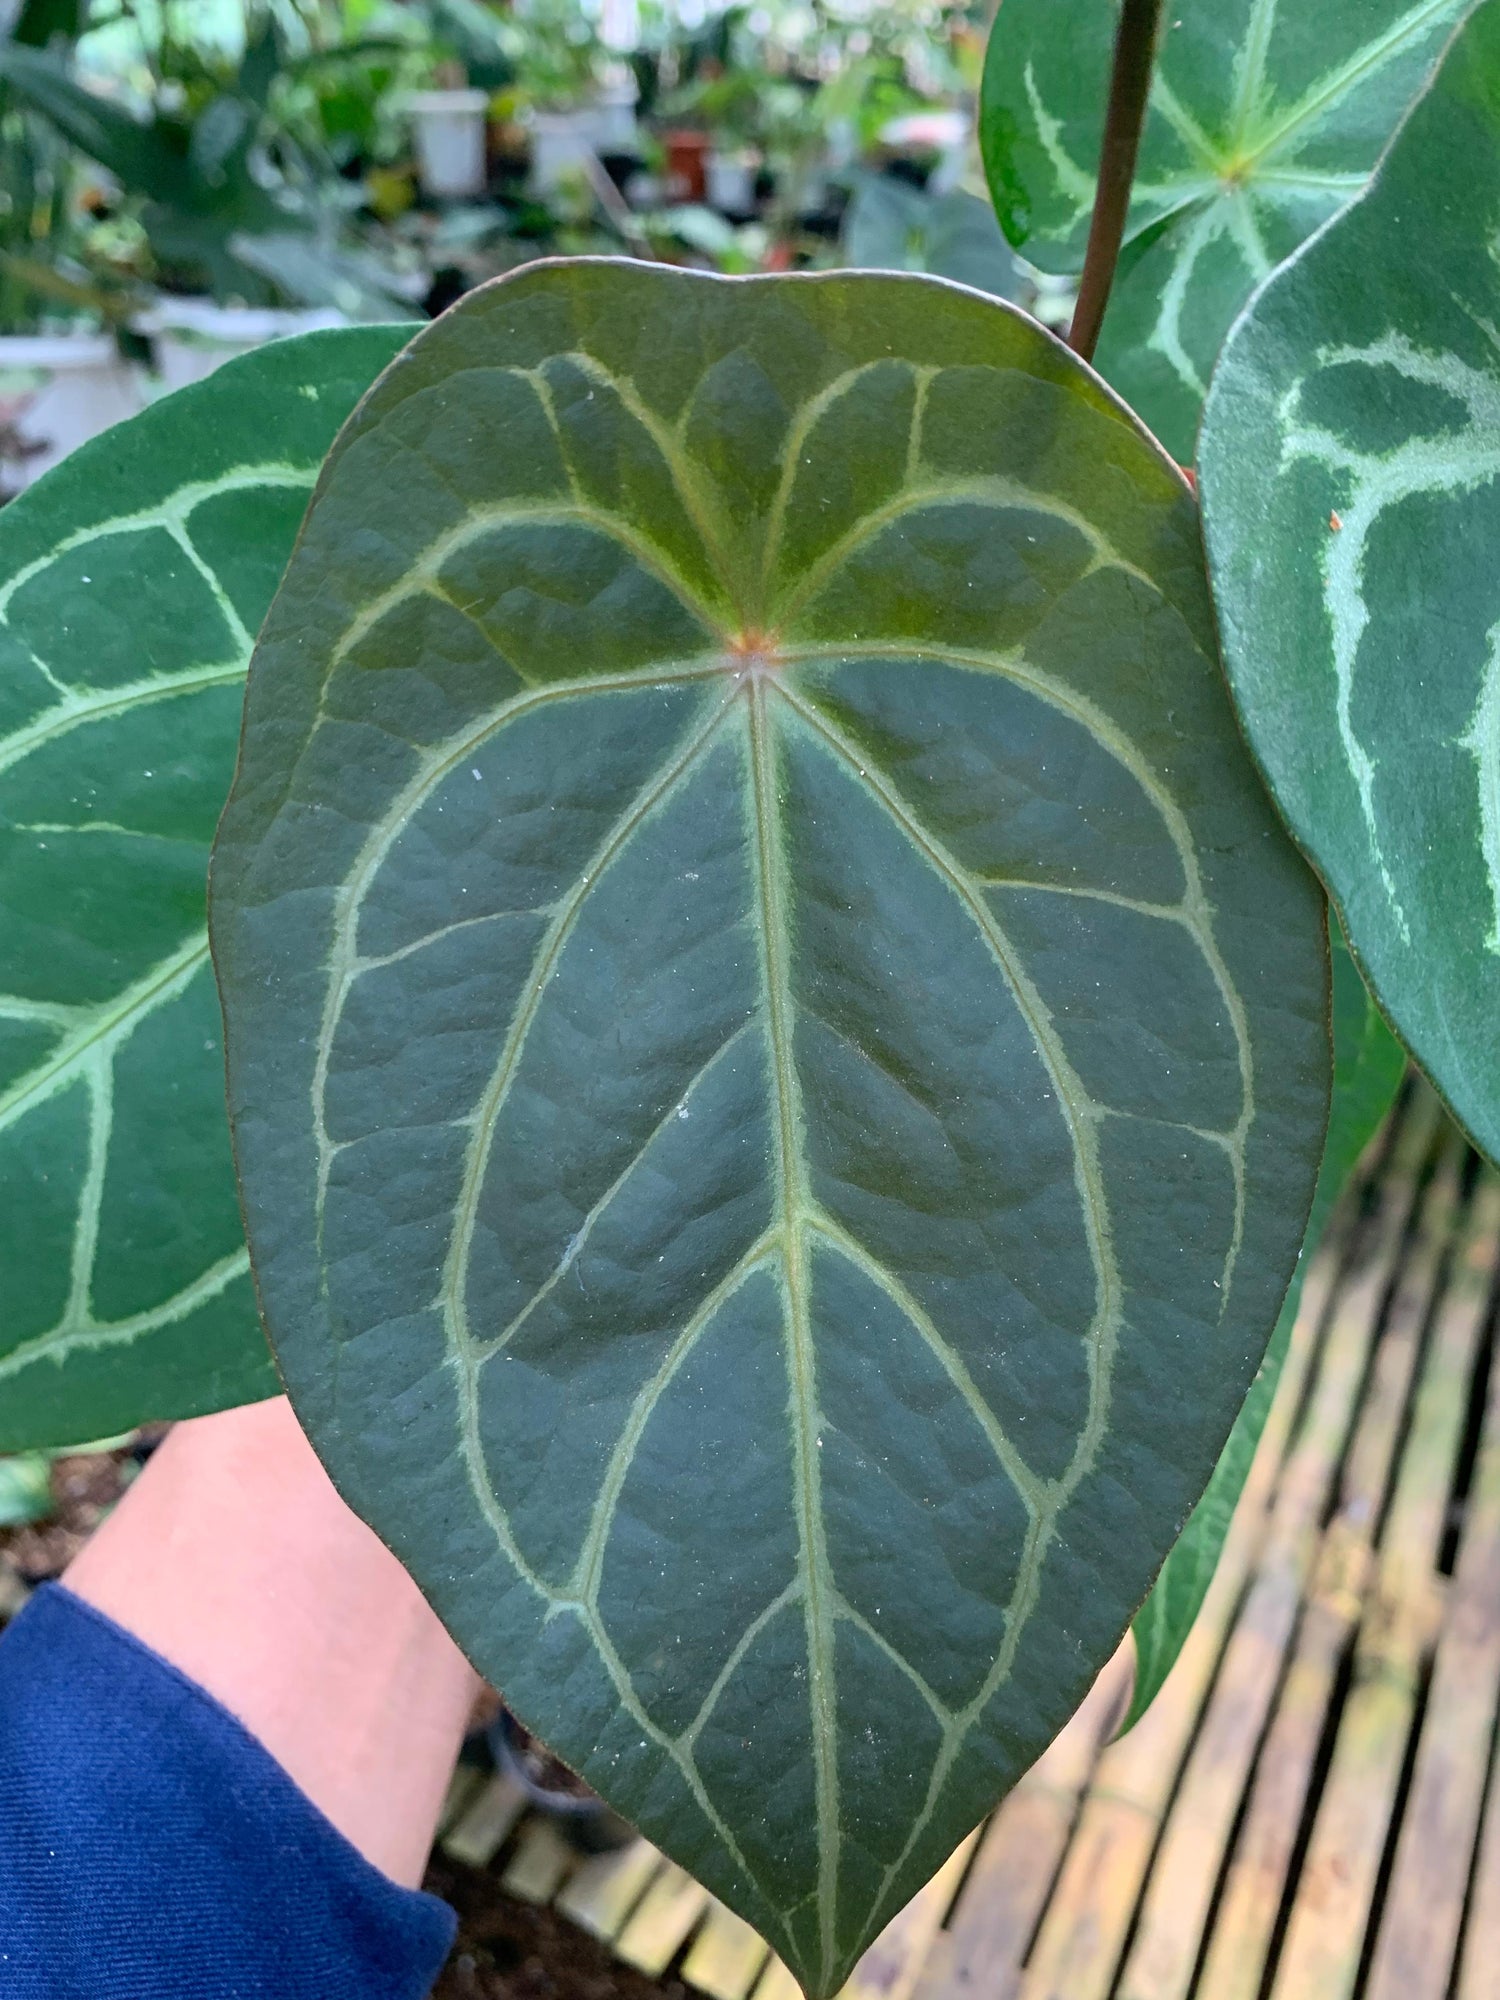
<point>1309,1811</point>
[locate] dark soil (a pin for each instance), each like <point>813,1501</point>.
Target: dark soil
<point>508,1950</point>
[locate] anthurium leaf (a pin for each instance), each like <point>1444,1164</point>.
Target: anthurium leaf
<point>132,580</point>
<point>1351,464</point>
<point>1264,118</point>
<point>777,1051</point>
<point>1368,1065</point>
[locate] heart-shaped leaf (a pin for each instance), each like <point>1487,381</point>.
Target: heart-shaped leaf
<point>132,580</point>
<point>1351,467</point>
<point>1263,119</point>
<point>778,1054</point>
<point>1368,1065</point>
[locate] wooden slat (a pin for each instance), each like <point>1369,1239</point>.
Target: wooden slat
<point>1083,1936</point>
<point>464,1787</point>
<point>980,1950</point>
<point>1256,1877</point>
<point>1078,1946</point>
<point>776,1983</point>
<point>1202,1813</point>
<point>603,1891</point>
<point>890,1968</point>
<point>1334,1892</point>
<point>1481,1937</point>
<point>541,1863</point>
<point>726,1957</point>
<point>1425,1900</point>
<point>1188,1865</point>
<point>660,1924</point>
<point>477,1835</point>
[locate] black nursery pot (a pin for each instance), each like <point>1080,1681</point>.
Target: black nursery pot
<point>582,1816</point>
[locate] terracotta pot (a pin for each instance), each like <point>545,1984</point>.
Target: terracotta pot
<point>687,164</point>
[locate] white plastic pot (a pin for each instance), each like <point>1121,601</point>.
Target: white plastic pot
<point>190,338</point>
<point>56,392</point>
<point>449,128</point>
<point>560,143</point>
<point>729,183</point>
<point>813,194</point>
<point>612,118</point>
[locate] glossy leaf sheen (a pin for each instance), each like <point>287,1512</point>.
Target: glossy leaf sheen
<point>1264,118</point>
<point>1368,1065</point>
<point>132,580</point>
<point>1356,425</point>
<point>778,1054</point>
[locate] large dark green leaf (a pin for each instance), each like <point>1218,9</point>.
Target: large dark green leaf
<point>1368,1065</point>
<point>1351,464</point>
<point>132,580</point>
<point>778,1054</point>
<point>1265,116</point>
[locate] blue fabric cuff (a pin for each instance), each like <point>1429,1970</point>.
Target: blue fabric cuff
<point>152,1849</point>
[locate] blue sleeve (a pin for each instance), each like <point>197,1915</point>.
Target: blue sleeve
<point>152,1849</point>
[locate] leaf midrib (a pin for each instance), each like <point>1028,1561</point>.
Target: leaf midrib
<point>800,1212</point>
<point>792,1192</point>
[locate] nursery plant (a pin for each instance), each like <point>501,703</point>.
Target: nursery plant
<point>778,1043</point>
<point>229,194</point>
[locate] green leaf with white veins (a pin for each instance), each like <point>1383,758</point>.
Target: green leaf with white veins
<point>132,579</point>
<point>1351,468</point>
<point>1265,116</point>
<point>777,1051</point>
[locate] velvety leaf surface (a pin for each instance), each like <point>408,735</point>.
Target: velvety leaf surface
<point>1368,1065</point>
<point>1351,465</point>
<point>778,1053</point>
<point>132,581</point>
<point>1264,117</point>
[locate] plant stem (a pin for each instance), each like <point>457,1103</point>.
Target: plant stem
<point>1129,85</point>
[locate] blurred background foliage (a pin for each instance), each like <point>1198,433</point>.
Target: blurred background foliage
<point>375,158</point>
